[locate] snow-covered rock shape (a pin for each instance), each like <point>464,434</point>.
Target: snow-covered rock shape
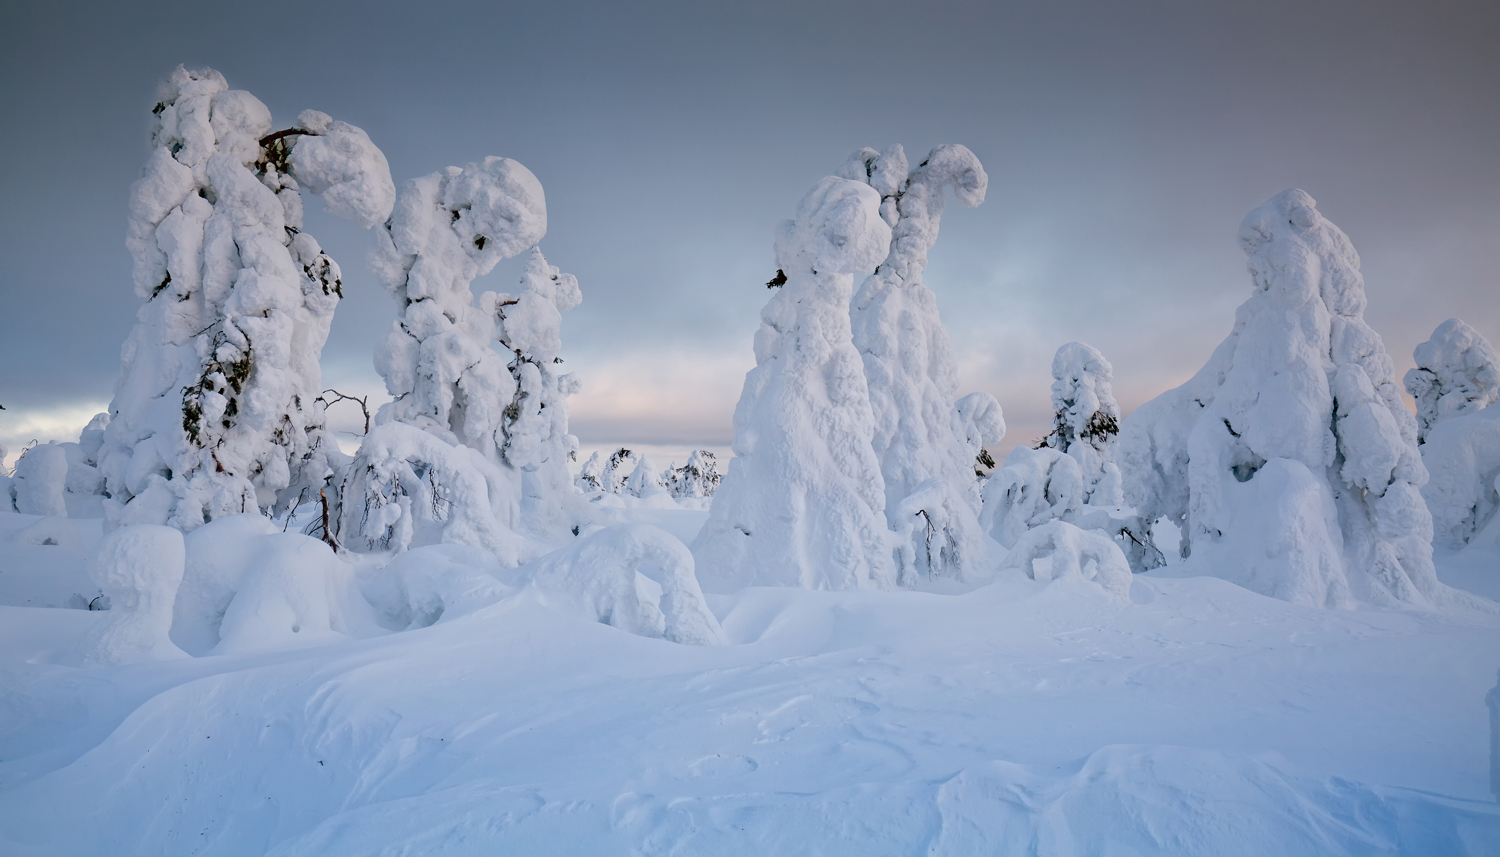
<point>909,364</point>
<point>1032,487</point>
<point>138,569</point>
<point>1462,455</point>
<point>803,501</point>
<point>1086,419</point>
<point>598,575</point>
<point>1290,459</point>
<point>216,410</point>
<point>1457,372</point>
<point>1074,554</point>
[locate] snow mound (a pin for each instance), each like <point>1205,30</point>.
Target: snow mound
<point>1462,455</point>
<point>138,569</point>
<point>1075,554</point>
<point>598,576</point>
<point>1457,373</point>
<point>803,501</point>
<point>1032,487</point>
<point>1302,380</point>
<point>431,584</point>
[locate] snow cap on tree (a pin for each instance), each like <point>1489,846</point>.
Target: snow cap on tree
<point>216,411</point>
<point>1457,372</point>
<point>1086,419</point>
<point>1290,458</point>
<point>920,434</point>
<point>802,503</point>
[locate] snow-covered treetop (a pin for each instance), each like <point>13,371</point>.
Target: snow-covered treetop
<point>1457,372</point>
<point>837,230</point>
<point>337,161</point>
<point>1083,402</point>
<point>912,202</point>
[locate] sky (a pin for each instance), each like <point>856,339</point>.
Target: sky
<point>1123,142</point>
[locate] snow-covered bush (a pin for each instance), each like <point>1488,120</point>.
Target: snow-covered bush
<point>1457,372</point>
<point>1289,460</point>
<point>41,481</point>
<point>598,575</point>
<point>803,501</point>
<point>1086,419</point>
<point>409,487</point>
<point>216,410</point>
<point>447,379</point>
<point>696,479</point>
<point>1032,487</point>
<point>909,367</point>
<point>1074,554</point>
<point>1462,455</point>
<point>138,569</point>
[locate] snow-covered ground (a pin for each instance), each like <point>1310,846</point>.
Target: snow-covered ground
<point>1016,717</point>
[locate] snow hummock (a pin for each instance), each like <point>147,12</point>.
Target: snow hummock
<point>926,448</point>
<point>803,501</point>
<point>138,569</point>
<point>1457,373</point>
<point>217,407</point>
<point>1290,458</point>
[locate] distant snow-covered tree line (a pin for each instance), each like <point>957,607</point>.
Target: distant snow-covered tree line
<point>1288,464</point>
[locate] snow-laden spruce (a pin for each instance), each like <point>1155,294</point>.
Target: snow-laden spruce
<point>925,446</point>
<point>1457,372</point>
<point>453,392</point>
<point>217,408</point>
<point>1462,456</point>
<point>1086,419</point>
<point>803,502</point>
<point>1289,460</point>
<point>697,479</point>
<point>1031,488</point>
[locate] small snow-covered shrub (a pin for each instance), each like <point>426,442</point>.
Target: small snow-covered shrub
<point>41,481</point>
<point>138,569</point>
<point>910,371</point>
<point>1462,455</point>
<point>1457,373</point>
<point>598,575</point>
<point>696,479</point>
<point>1086,419</point>
<point>1075,554</point>
<point>1304,381</point>
<point>1032,487</point>
<point>803,501</point>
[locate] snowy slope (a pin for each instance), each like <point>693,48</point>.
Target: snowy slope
<point>1200,718</point>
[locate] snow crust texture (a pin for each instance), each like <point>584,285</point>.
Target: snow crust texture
<point>803,501</point>
<point>1457,373</point>
<point>217,408</point>
<point>1290,457</point>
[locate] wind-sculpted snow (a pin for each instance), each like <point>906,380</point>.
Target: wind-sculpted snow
<point>1457,373</point>
<point>803,501</point>
<point>598,576</point>
<point>1086,419</point>
<point>217,408</point>
<point>1462,455</point>
<point>1303,381</point>
<point>138,569</point>
<point>920,435</point>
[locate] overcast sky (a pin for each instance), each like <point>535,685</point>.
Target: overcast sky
<point>1124,143</point>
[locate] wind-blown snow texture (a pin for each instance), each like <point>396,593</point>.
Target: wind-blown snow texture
<point>925,447</point>
<point>216,411</point>
<point>1290,457</point>
<point>803,501</point>
<point>1457,373</point>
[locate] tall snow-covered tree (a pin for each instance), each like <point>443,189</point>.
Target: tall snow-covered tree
<point>1086,419</point>
<point>803,501</point>
<point>909,366</point>
<point>1289,459</point>
<point>1457,372</point>
<point>216,411</point>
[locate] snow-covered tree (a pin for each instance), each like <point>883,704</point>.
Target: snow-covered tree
<point>1462,454</point>
<point>591,476</point>
<point>1032,487</point>
<point>909,365</point>
<point>622,462</point>
<point>447,378</point>
<point>1086,419</point>
<point>1457,373</point>
<point>803,501</point>
<point>1289,459</point>
<point>696,479</point>
<point>216,411</point>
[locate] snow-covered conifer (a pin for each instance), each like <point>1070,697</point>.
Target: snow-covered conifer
<point>645,480</point>
<point>803,501</point>
<point>696,479</point>
<point>1086,419</point>
<point>622,462</point>
<point>1290,459</point>
<point>1032,487</point>
<point>216,410</point>
<point>1457,373</point>
<point>909,365</point>
<point>1462,455</point>
<point>591,476</point>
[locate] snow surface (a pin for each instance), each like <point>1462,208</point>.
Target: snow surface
<point>1025,716</point>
